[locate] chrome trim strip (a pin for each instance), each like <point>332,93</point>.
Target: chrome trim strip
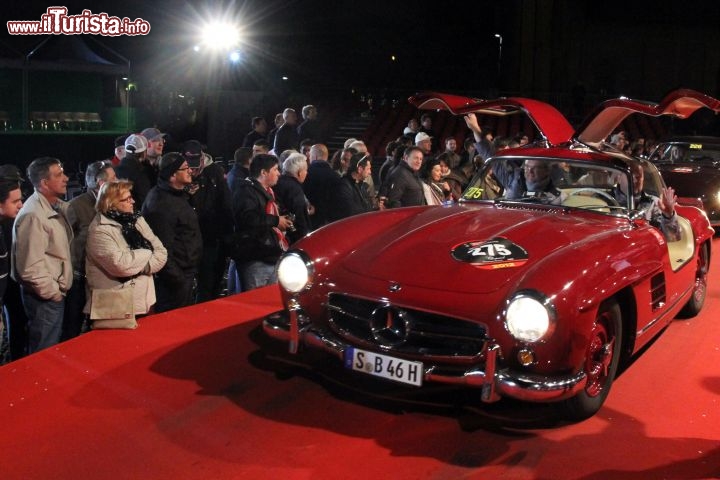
<point>344,312</point>
<point>652,323</point>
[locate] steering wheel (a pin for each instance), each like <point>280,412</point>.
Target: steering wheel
<point>599,192</point>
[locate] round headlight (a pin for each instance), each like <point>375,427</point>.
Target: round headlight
<point>527,318</point>
<point>293,272</point>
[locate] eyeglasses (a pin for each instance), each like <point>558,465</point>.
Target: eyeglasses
<point>183,169</point>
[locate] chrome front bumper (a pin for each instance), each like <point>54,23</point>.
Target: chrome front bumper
<point>293,327</point>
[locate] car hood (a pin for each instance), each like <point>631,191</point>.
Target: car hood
<point>470,249</point>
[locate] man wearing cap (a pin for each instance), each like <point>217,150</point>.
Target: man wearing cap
<point>14,320</point>
<point>119,152</point>
<point>81,211</point>
<point>42,263</point>
<point>211,200</point>
<point>168,212</point>
<point>135,167</point>
<point>156,144</point>
<point>424,142</point>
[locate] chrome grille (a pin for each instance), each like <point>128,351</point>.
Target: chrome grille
<point>427,333</point>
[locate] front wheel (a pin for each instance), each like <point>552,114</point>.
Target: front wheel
<point>696,302</point>
<point>601,363</point>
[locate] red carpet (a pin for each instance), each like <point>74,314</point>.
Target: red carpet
<point>190,395</point>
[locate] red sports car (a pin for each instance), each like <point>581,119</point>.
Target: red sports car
<point>533,293</point>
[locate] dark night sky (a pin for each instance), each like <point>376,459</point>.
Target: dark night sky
<point>640,48</point>
<point>348,43</point>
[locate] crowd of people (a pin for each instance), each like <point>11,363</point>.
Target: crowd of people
<point>179,229</point>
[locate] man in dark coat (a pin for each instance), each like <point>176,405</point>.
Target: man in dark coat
<point>135,167</point>
<point>287,137</point>
<point>404,185</point>
<point>354,194</point>
<point>291,197</point>
<point>258,225</point>
<point>310,127</point>
<point>241,167</point>
<point>258,132</point>
<point>14,318</point>
<point>210,197</point>
<point>322,186</point>
<point>169,214</point>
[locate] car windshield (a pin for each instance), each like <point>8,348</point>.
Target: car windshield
<point>552,182</point>
<point>687,152</point>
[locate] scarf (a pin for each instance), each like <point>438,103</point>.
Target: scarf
<point>271,208</point>
<point>129,231</point>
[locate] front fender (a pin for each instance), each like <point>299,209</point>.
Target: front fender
<point>577,278</point>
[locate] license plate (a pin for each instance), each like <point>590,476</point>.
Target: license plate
<point>379,365</point>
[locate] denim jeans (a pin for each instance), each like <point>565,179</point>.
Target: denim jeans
<point>233,279</point>
<point>45,319</point>
<point>257,274</point>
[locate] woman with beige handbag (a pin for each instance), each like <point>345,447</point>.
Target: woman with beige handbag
<point>122,255</point>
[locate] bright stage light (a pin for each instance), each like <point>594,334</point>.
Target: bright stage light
<point>234,56</point>
<point>220,36</point>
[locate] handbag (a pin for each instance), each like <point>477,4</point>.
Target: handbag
<point>113,307</point>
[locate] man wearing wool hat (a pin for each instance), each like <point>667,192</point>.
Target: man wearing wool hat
<point>174,221</point>
<point>156,144</point>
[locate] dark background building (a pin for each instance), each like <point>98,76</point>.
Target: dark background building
<point>339,54</point>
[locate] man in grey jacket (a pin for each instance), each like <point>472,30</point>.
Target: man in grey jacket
<point>41,253</point>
